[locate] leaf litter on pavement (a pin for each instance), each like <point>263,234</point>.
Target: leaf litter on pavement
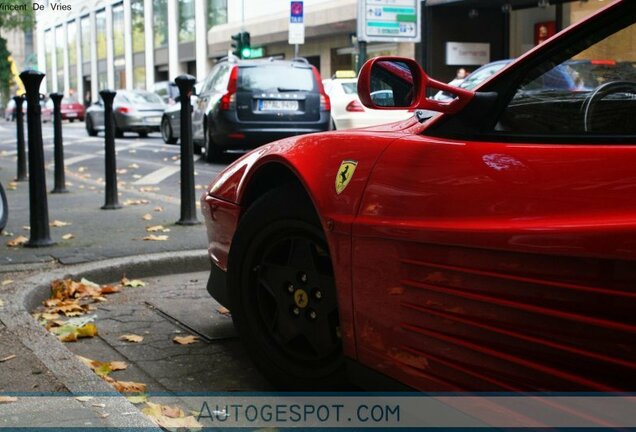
<point>69,297</point>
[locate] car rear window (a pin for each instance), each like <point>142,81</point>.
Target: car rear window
<point>274,77</point>
<point>350,88</point>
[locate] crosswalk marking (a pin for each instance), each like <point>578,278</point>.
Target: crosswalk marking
<point>80,158</point>
<point>158,176</point>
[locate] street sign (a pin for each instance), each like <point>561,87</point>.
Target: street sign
<point>296,23</point>
<point>389,20</point>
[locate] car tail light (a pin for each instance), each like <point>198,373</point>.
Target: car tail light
<point>325,102</point>
<point>228,100</point>
<point>124,109</point>
<point>354,106</point>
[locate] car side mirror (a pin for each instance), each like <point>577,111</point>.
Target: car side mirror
<point>177,99</point>
<point>392,83</point>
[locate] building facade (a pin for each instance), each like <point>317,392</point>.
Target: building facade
<point>131,44</point>
<point>124,44</point>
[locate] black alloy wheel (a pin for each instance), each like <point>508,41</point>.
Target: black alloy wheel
<point>283,293</point>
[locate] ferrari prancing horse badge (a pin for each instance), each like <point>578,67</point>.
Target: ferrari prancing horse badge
<point>345,173</point>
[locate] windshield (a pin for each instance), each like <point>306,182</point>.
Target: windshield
<point>480,75</point>
<point>275,77</point>
<point>143,98</point>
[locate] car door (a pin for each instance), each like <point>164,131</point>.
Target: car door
<point>199,108</point>
<point>505,258</point>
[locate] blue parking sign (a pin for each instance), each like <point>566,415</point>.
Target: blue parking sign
<point>296,15</point>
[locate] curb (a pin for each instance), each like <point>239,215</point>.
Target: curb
<point>25,295</point>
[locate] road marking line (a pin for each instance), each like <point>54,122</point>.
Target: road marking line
<point>158,176</point>
<point>80,158</point>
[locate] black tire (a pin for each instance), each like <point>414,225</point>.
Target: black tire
<point>4,208</point>
<point>275,245</point>
<point>71,120</point>
<point>197,149</point>
<point>143,134</point>
<point>118,132</point>
<point>212,152</point>
<point>166,132</point>
<point>89,127</point>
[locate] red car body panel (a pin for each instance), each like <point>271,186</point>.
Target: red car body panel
<point>514,257</point>
<point>468,265</point>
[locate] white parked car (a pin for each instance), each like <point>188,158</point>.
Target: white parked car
<point>348,112</point>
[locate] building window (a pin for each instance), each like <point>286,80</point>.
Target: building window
<point>100,32</point>
<point>139,77</point>
<point>48,57</point>
<point>102,80</point>
<point>118,30</point>
<point>85,29</point>
<point>59,54</point>
<point>160,14</point>
<point>137,18</point>
<point>71,34</point>
<point>217,12</point>
<point>186,20</point>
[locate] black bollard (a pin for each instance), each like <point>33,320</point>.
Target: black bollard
<point>60,182</point>
<point>188,209</point>
<point>112,199</point>
<point>39,209</point>
<point>19,122</point>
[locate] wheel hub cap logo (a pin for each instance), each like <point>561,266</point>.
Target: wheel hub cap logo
<point>301,298</point>
<point>345,174</point>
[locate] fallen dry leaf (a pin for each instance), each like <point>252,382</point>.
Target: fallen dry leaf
<point>1,303</point>
<point>130,202</point>
<point>157,413</point>
<point>147,217</point>
<point>157,228</point>
<point>103,369</point>
<point>7,282</point>
<point>131,338</point>
<point>126,386</point>
<point>68,236</point>
<point>71,333</point>
<point>110,289</point>
<point>158,209</point>
<point>7,399</point>
<point>18,241</point>
<point>58,224</point>
<point>7,358</point>
<point>172,411</point>
<point>138,399</point>
<point>223,310</point>
<point>185,340</point>
<point>153,237</point>
<point>132,283</point>
<point>149,189</point>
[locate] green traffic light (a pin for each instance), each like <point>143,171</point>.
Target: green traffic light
<point>246,53</point>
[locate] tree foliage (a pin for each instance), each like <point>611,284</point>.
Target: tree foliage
<point>22,18</point>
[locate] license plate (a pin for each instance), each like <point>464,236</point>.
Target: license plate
<point>71,114</point>
<point>153,119</point>
<point>277,105</point>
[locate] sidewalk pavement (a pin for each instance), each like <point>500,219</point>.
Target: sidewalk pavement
<point>107,245</point>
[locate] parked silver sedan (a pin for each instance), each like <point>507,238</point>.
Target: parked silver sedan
<point>133,111</point>
<point>171,120</point>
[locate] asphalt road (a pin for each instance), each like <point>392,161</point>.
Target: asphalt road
<point>146,163</point>
<point>148,175</point>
